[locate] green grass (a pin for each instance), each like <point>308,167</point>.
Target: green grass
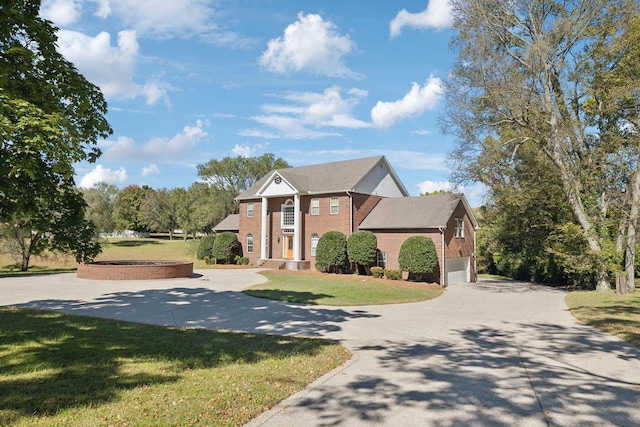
<point>340,290</point>
<point>112,249</point>
<point>616,314</point>
<point>59,369</point>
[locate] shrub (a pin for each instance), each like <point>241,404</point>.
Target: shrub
<point>361,248</point>
<point>205,247</point>
<point>331,252</point>
<point>377,272</point>
<point>209,260</point>
<point>418,256</point>
<point>241,260</point>
<point>392,274</point>
<point>226,247</point>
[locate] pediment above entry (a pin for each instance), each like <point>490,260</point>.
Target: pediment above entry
<point>277,186</point>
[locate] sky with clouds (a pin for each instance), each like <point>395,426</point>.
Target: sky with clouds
<point>312,82</point>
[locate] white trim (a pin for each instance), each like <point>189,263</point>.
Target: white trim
<point>263,230</point>
<point>296,228</point>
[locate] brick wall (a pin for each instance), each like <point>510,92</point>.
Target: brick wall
<point>97,271</point>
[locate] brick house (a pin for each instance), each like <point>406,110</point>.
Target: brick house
<point>284,214</point>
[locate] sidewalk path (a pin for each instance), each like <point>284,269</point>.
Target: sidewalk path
<point>487,354</point>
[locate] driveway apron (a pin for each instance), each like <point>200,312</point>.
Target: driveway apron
<point>488,354</point>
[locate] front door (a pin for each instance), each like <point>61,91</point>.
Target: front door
<point>288,247</point>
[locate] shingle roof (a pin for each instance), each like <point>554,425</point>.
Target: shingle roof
<point>230,223</point>
<point>324,178</point>
<point>413,212</point>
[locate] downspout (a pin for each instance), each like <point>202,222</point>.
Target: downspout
<point>350,212</point>
<point>475,260</point>
<point>444,259</point>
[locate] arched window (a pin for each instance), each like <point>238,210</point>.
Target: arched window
<point>288,214</point>
<point>314,243</point>
<point>250,243</point>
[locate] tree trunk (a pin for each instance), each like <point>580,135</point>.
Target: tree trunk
<point>573,196</point>
<point>630,249</point>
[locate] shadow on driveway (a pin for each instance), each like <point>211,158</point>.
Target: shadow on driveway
<point>526,375</point>
<point>205,308</point>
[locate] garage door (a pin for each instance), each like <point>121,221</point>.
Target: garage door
<point>457,270</point>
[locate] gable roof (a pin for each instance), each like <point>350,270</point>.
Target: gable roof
<point>415,212</point>
<point>334,177</point>
<point>230,223</point>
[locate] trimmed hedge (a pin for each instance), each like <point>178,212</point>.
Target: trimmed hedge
<point>361,248</point>
<point>205,247</point>
<point>377,272</point>
<point>331,252</point>
<point>392,274</point>
<point>226,247</point>
<point>418,256</point>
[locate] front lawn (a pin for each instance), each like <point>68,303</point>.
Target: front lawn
<point>340,290</point>
<point>58,369</point>
<point>616,314</point>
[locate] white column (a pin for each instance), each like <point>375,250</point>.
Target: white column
<point>263,230</point>
<point>296,228</point>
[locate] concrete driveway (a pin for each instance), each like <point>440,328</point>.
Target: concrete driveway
<point>487,354</point>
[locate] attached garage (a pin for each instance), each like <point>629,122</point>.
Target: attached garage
<point>446,219</point>
<point>458,270</point>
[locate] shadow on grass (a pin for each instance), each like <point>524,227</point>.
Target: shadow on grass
<point>133,243</point>
<point>287,296</point>
<point>13,270</point>
<point>620,320</point>
<point>52,361</point>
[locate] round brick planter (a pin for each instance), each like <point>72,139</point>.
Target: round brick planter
<point>135,270</point>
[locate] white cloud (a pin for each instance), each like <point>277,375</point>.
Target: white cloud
<point>309,44</point>
<point>102,174</point>
<point>307,112</point>
<point>419,99</point>
<point>437,15</point>
<point>104,9</point>
<point>152,169</point>
<point>158,148</point>
<point>242,150</point>
<point>161,19</point>
<point>431,186</point>
<point>61,12</point>
<point>110,68</point>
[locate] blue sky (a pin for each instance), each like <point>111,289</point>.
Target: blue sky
<point>192,80</point>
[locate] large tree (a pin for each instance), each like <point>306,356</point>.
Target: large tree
<point>236,174</point>
<point>160,210</point>
<point>99,199</point>
<point>127,208</point>
<point>522,78</point>
<point>50,118</point>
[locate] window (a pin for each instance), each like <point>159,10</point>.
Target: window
<point>250,209</point>
<point>315,206</point>
<point>314,243</point>
<point>334,206</point>
<point>250,243</point>
<point>288,215</point>
<point>382,259</point>
<point>458,227</point>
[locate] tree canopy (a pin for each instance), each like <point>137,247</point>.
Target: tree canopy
<point>235,174</point>
<point>529,85</point>
<point>50,118</point>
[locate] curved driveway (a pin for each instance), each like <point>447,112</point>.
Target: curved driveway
<point>487,354</point>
